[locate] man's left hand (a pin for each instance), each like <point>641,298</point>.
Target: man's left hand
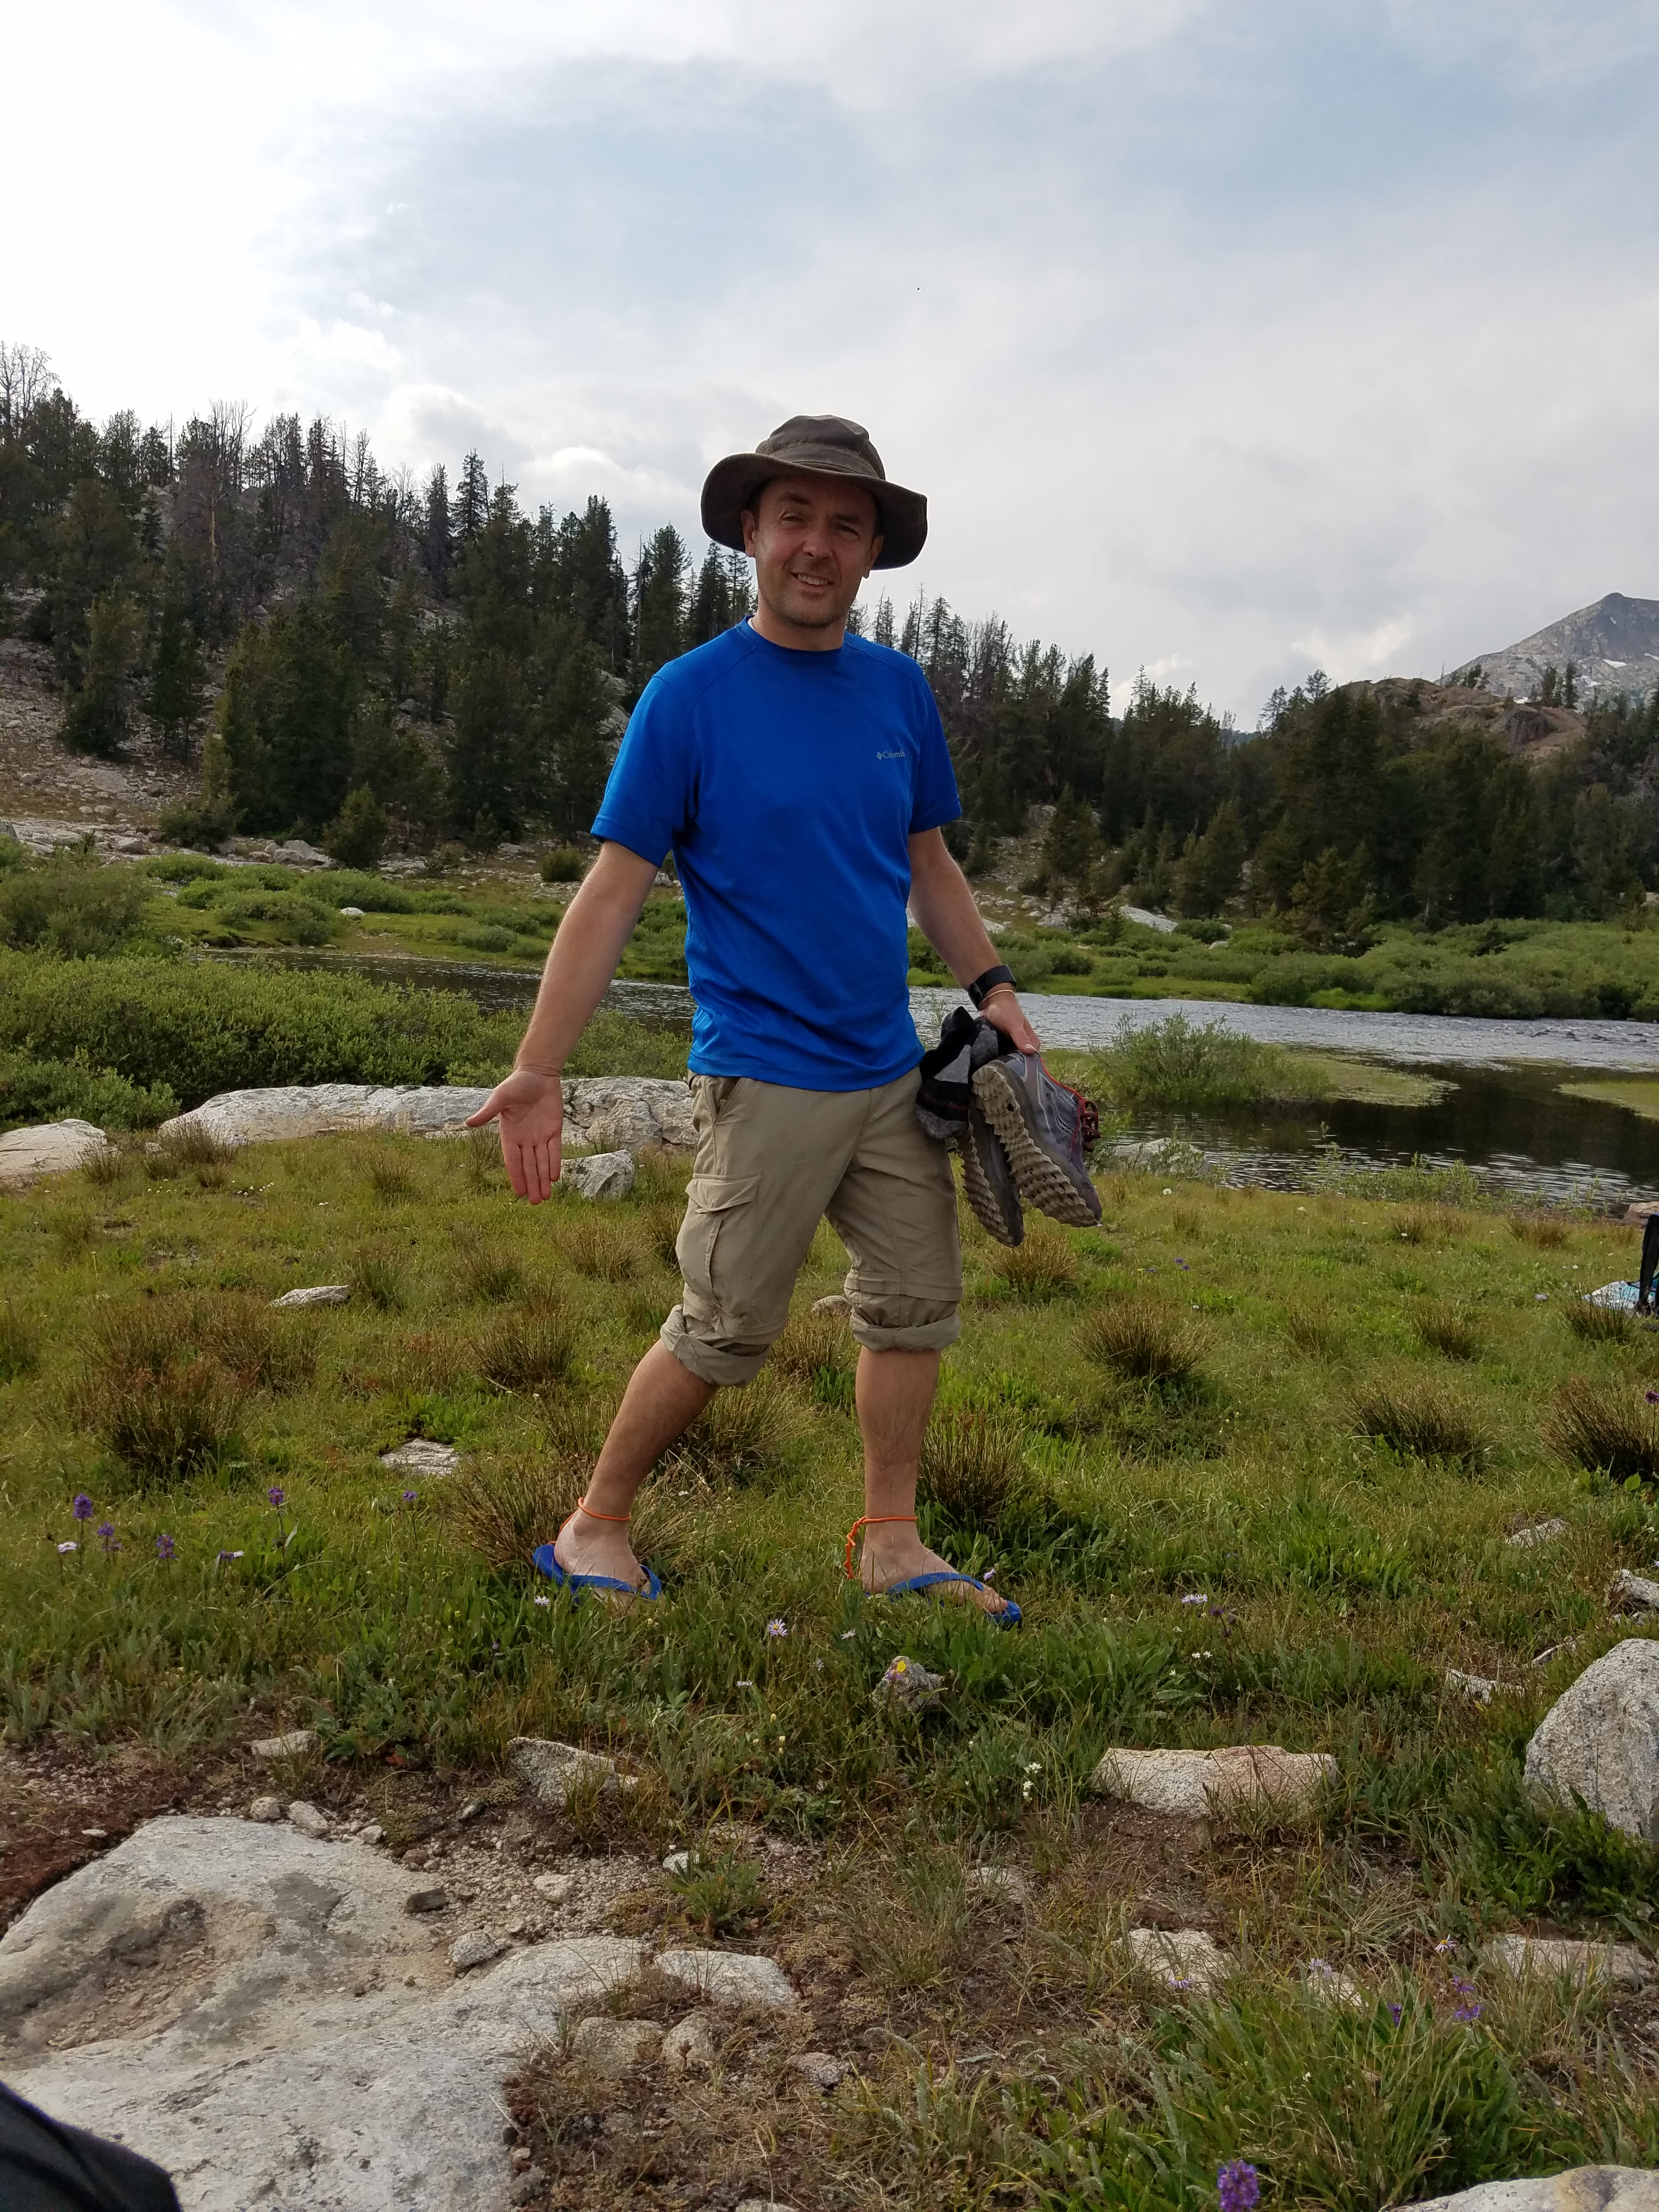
<point>1004,1012</point>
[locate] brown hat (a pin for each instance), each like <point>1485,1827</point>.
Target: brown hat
<point>815,446</point>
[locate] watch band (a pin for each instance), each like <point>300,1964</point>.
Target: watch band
<point>982,986</point>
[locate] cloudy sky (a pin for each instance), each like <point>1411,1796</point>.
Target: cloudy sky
<point>1226,336</point>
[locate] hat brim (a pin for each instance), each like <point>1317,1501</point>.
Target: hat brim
<point>734,484</point>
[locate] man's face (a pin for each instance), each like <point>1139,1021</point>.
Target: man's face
<point>812,540</point>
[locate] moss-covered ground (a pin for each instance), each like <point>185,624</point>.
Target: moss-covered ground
<point>1251,1462</point>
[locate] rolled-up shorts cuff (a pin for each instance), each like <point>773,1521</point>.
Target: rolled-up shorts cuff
<point>719,1363</point>
<point>905,1324</point>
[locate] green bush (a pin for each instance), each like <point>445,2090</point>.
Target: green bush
<point>357,837</point>
<point>201,1027</point>
<point>1195,1067</point>
<point>184,868</point>
<point>71,905</point>
<point>563,864</point>
<point>34,1090</point>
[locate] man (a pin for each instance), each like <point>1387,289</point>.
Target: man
<point>801,777</point>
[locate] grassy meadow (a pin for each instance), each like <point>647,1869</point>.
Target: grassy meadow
<point>1250,1461</point>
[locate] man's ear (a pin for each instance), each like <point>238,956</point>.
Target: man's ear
<point>876,543</point>
<point>750,524</point>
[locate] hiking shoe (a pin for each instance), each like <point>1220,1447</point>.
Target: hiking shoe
<point>988,1181</point>
<point>1044,1128</point>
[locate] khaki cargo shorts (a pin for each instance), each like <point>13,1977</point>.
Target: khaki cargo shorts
<point>771,1163</point>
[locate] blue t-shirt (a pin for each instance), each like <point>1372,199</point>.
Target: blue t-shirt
<point>787,785</point>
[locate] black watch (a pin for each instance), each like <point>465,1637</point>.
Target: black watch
<point>982,986</point>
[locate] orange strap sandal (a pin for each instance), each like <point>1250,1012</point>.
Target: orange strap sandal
<point>1008,1616</point>
<point>546,1564</point>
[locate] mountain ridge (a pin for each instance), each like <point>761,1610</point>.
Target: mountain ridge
<point>1613,644</point>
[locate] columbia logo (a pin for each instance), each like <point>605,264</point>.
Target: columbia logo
<point>897,755</point>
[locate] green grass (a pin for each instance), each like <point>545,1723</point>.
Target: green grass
<point>1327,1457</point>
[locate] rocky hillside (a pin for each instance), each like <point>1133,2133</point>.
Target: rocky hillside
<point>1613,646</point>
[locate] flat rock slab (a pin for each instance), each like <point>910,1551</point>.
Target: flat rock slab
<point>1184,1958</point>
<point>257,2012</point>
<point>1198,1784</point>
<point>730,1978</point>
<point>1582,2189</point>
<point>420,1455</point>
<point>295,1745</point>
<point>1553,1957</point>
<point>314,1294</point>
<point>608,1112</point>
<point>52,1149</point>
<point>1541,1532</point>
<point>601,1175</point>
<point>552,1770</point>
<point>1600,1741</point>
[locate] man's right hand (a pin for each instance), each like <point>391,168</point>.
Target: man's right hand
<point>530,1107</point>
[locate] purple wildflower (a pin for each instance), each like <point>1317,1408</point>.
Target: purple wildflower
<point>1238,2185</point>
<point>164,1546</point>
<point>106,1535</point>
<point>276,1496</point>
<point>777,1628</point>
<point>409,1497</point>
<point>1463,1988</point>
<point>1397,2013</point>
<point>81,1508</point>
<point>1468,2013</point>
<point>1652,1397</point>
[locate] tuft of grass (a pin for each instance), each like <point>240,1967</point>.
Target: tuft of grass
<point>1430,1225</point>
<point>392,1178</point>
<point>261,1350</point>
<point>1447,1329</point>
<point>528,1349</point>
<point>1312,1329</point>
<point>107,1164</point>
<point>661,1176</point>
<point>738,1434</point>
<point>719,1892</point>
<point>504,1512</point>
<point>1143,1339</point>
<point>1595,1324</point>
<point>190,1145</point>
<point>379,1274</point>
<point>1043,1266</point>
<point>164,1410</point>
<point>1538,1229</point>
<point>972,1464</point>
<point>1418,1418</point>
<point>659,1227</point>
<point>20,1344</point>
<point>814,1345</point>
<point>598,1246</point>
<point>486,1276</point>
<point>1607,1429</point>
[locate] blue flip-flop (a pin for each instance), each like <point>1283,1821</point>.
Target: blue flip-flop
<point>1008,1617</point>
<point>545,1564</point>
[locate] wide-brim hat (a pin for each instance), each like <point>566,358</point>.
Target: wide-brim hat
<point>815,446</point>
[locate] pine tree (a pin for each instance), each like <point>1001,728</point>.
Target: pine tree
<point>178,682</point>
<point>659,604</point>
<point>881,629</point>
<point>100,717</point>
<point>472,499</point>
<point>436,551</point>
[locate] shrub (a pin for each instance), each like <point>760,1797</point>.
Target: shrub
<point>1598,1324</point>
<point>1537,1229</point>
<point>1447,1329</point>
<point>1043,1266</point>
<point>1419,1418</point>
<point>528,1350</point>
<point>1609,1429</point>
<point>20,1344</point>
<point>972,1464</point>
<point>356,837</point>
<point>1195,1067</point>
<point>1142,1339</point>
<point>563,864</point>
<point>71,906</point>
<point>205,822</point>
<point>33,1090</point>
<point>164,1409</point>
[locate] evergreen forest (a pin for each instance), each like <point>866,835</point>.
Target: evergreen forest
<point>354,656</point>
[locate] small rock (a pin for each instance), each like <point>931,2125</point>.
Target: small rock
<point>476,1948</point>
<point>427,1901</point>
<point>553,1769</point>
<point>1552,1957</point>
<point>817,2067</point>
<point>1184,1958</point>
<point>730,1978</point>
<point>555,1887</point>
<point>265,1808</point>
<point>677,1862</point>
<point>999,1885</point>
<point>907,1686</point>
<point>1199,1783</point>
<point>687,2047</point>
<point>1541,1532</point>
<point>352,913</point>
<point>838,1302</point>
<point>1581,2189</point>
<point>762,2204</point>
<point>610,2047</point>
<point>1479,1686</point>
<point>132,845</point>
<point>521,2160</point>
<point>295,1745</point>
<point>528,2186</point>
<point>310,1819</point>
<point>420,1455</point>
<point>601,1175</point>
<point>317,1294</point>
<point>372,1833</point>
<point>1630,1593</point>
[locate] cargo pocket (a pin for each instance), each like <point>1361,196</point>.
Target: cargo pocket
<point>710,1255</point>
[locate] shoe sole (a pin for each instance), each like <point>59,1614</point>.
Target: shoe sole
<point>1042,1182</point>
<point>983,1197</point>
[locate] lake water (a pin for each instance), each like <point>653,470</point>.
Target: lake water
<point>1504,1115</point>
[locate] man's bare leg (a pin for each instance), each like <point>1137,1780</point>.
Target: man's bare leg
<point>662,1400</point>
<point>896,1391</point>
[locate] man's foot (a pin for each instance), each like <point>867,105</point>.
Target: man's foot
<point>584,1545</point>
<point>898,1557</point>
